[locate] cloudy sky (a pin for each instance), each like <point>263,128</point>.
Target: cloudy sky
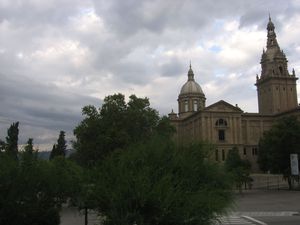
<point>57,56</point>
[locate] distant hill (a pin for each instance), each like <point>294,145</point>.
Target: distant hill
<point>46,154</point>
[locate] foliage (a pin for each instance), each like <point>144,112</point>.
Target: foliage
<point>157,183</point>
<point>115,125</point>
<point>32,191</point>
<point>10,147</point>
<point>164,128</point>
<point>2,146</point>
<point>277,144</point>
<point>85,196</point>
<point>239,169</point>
<point>59,149</point>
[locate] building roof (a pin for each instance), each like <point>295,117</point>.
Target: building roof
<point>223,106</point>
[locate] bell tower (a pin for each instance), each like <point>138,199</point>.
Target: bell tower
<point>276,88</point>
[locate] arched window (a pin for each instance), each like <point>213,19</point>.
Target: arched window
<point>280,70</point>
<point>221,122</point>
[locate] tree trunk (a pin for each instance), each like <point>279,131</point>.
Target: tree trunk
<point>290,182</point>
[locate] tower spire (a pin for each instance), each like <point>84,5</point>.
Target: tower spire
<point>272,41</point>
<point>191,72</point>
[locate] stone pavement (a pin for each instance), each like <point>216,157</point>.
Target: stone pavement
<point>239,220</point>
<point>268,207</point>
<point>252,207</point>
<point>267,201</point>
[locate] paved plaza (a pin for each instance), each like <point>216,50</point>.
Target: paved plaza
<point>270,207</point>
<point>252,207</point>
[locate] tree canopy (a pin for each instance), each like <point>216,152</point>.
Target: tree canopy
<point>277,144</point>
<point>116,125</point>
<point>156,183</point>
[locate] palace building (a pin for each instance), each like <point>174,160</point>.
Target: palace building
<point>226,125</point>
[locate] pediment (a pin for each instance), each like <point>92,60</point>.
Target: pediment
<point>222,106</point>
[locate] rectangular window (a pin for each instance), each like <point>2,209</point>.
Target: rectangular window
<point>245,151</point>
<point>186,106</point>
<point>195,105</point>
<point>221,135</point>
<point>217,155</point>
<point>254,151</point>
<point>223,154</point>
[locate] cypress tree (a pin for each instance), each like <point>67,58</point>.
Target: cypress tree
<point>29,147</point>
<point>11,147</point>
<point>59,149</point>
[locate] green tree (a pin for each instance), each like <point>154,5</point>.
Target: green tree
<point>32,191</point>
<point>157,183</point>
<point>116,125</point>
<point>239,168</point>
<point>277,144</point>
<point>29,153</point>
<point>164,128</point>
<point>59,149</point>
<point>90,141</point>
<point>141,119</point>
<point>11,146</point>
<point>29,146</point>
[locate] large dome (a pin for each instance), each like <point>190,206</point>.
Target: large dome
<point>191,86</point>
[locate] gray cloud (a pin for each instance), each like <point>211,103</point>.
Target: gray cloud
<point>57,56</point>
<point>173,68</point>
<point>30,13</point>
<point>40,106</point>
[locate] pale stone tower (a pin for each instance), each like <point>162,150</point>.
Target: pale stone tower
<point>191,98</point>
<point>276,88</point>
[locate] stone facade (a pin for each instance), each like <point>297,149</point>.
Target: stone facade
<point>227,126</point>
